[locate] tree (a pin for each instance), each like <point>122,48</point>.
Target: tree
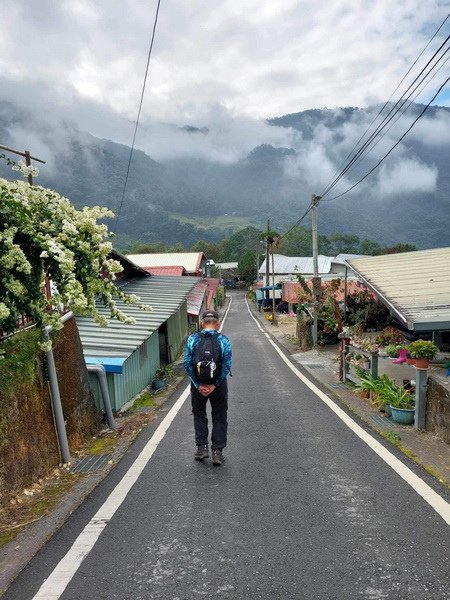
<point>399,248</point>
<point>244,240</point>
<point>247,266</point>
<point>42,234</point>
<point>210,249</point>
<point>298,242</point>
<point>344,243</point>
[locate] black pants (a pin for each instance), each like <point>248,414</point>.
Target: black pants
<point>219,407</point>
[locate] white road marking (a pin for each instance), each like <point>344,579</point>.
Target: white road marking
<point>441,506</point>
<point>54,586</point>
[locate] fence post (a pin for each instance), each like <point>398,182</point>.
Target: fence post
<point>421,398</point>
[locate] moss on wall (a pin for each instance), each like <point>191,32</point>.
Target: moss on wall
<point>28,445</point>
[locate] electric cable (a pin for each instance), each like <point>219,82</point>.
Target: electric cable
<point>394,146</point>
<point>155,23</point>
<point>387,102</point>
<point>392,113</point>
<point>399,116</point>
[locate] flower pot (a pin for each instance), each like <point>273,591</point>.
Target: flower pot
<point>410,361</point>
<point>422,363</point>
<point>158,384</point>
<point>387,410</point>
<point>404,416</point>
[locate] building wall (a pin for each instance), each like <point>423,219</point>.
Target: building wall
<point>137,373</point>
<point>177,330</point>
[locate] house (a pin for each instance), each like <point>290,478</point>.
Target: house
<point>339,262</point>
<point>132,353</point>
<point>415,287</point>
<point>288,267</point>
<point>197,302</point>
<point>194,263</point>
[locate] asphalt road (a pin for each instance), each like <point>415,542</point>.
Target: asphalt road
<point>301,509</point>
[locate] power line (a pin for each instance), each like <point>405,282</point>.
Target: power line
<point>365,148</point>
<point>392,113</point>
<point>387,102</point>
<point>394,146</point>
<point>139,111</point>
<point>399,116</point>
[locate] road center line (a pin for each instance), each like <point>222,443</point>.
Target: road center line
<point>54,586</point>
<point>441,506</point>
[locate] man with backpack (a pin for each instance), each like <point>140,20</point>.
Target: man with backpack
<point>207,360</point>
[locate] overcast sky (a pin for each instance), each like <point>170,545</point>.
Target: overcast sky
<point>256,58</point>
<point>221,64</point>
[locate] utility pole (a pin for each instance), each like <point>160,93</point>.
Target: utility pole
<point>316,278</point>
<point>267,294</point>
<point>27,156</point>
<point>267,252</point>
<point>257,260</point>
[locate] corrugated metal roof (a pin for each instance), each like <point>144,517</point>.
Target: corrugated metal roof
<point>196,297</point>
<point>166,271</point>
<point>341,259</point>
<point>414,285</point>
<point>297,264</point>
<point>164,294</point>
<point>189,260</point>
<point>227,265</point>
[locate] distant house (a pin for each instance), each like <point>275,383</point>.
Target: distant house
<point>194,263</point>
<point>288,267</point>
<point>415,287</point>
<point>339,262</point>
<point>166,271</point>
<point>132,353</point>
<point>197,302</point>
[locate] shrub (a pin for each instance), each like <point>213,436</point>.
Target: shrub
<point>423,349</point>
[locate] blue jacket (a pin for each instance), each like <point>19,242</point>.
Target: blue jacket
<point>188,361</point>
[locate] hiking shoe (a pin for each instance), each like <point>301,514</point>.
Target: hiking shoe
<point>217,457</point>
<point>201,453</point>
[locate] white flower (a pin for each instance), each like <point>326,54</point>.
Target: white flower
<point>4,311</point>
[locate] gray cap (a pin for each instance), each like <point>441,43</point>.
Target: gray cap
<point>210,314</point>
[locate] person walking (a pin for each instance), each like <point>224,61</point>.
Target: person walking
<point>207,361</point>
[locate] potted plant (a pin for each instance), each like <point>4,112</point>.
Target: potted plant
<point>402,406</point>
<point>160,379</point>
<point>392,350</point>
<point>385,389</point>
<point>423,351</point>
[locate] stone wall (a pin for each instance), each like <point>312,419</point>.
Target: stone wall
<point>438,409</point>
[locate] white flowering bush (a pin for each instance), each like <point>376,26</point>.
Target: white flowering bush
<point>41,233</point>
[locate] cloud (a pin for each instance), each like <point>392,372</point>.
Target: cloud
<point>406,176</point>
<point>254,57</point>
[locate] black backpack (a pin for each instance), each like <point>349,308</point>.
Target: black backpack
<point>207,357</point>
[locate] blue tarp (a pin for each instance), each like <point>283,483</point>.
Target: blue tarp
<point>267,288</point>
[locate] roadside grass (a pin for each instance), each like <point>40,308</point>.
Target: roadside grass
<point>24,510</point>
<point>145,400</point>
<point>101,445</point>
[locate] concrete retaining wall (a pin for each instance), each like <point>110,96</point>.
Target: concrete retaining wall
<point>438,409</point>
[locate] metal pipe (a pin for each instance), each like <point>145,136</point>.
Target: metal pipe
<point>101,373</point>
<point>56,397</point>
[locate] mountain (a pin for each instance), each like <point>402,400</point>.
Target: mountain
<point>189,198</point>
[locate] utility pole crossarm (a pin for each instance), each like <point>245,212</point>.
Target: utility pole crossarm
<point>24,154</point>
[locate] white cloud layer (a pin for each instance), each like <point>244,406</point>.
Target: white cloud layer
<point>254,57</point>
<point>223,67</point>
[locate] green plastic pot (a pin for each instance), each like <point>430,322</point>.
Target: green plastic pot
<point>404,416</point>
<point>158,384</point>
